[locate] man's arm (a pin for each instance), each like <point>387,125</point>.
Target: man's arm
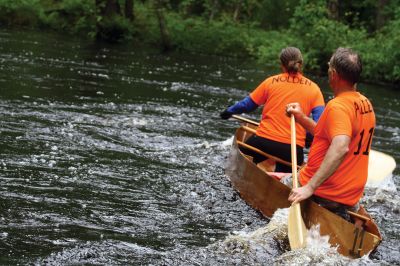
<point>333,158</point>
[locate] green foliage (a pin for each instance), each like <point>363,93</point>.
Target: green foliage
<point>191,7</point>
<point>255,28</point>
<point>215,37</point>
<point>19,12</point>
<point>75,16</point>
<point>358,14</point>
<point>266,13</point>
<point>318,35</point>
<point>146,24</point>
<point>381,54</point>
<point>267,46</point>
<point>307,14</point>
<point>114,29</point>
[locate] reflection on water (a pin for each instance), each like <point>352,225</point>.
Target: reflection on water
<point>115,154</point>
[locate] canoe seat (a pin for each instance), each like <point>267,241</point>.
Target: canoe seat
<point>359,216</point>
<point>363,220</point>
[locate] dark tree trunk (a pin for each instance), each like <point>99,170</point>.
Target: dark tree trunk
<point>214,9</point>
<point>129,10</point>
<point>333,7</point>
<point>237,10</point>
<point>165,37</point>
<point>380,15</point>
<point>108,8</point>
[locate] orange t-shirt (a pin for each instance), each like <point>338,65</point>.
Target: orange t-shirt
<point>275,93</point>
<point>351,114</point>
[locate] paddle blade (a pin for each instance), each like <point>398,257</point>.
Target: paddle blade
<point>380,166</point>
<point>297,230</point>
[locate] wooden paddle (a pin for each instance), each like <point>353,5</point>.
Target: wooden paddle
<point>380,165</point>
<point>297,230</point>
<point>246,120</point>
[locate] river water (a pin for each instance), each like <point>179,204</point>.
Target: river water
<point>114,154</point>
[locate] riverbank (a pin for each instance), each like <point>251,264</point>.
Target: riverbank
<point>308,26</point>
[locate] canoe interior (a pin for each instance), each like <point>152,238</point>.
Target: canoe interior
<point>267,194</point>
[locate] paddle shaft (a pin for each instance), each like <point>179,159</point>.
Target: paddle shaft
<point>246,120</point>
<point>293,150</point>
<point>296,228</point>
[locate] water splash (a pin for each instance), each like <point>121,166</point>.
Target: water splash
<point>263,243</point>
<point>270,244</point>
<point>386,184</point>
<point>228,142</point>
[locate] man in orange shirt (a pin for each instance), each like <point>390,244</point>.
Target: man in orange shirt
<point>337,168</point>
<point>273,134</point>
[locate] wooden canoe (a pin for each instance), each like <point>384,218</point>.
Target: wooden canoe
<point>267,194</point>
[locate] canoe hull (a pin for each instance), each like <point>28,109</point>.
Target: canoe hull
<point>267,194</point>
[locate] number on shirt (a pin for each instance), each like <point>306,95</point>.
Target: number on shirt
<point>366,151</point>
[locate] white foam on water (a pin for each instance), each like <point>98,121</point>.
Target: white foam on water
<point>265,244</point>
<point>386,198</point>
<point>139,122</point>
<point>318,251</point>
<point>388,183</point>
<point>228,142</point>
<point>261,244</point>
<point>208,145</point>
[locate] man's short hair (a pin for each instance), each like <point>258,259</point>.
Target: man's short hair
<point>347,64</point>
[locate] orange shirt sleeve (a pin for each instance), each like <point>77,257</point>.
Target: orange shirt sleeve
<point>338,122</point>
<point>260,94</point>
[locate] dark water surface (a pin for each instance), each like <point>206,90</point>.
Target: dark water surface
<point>115,155</point>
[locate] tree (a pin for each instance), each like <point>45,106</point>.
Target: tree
<point>165,37</point>
<point>333,7</point>
<point>108,8</point>
<point>213,7</point>
<point>111,24</point>
<point>380,13</point>
<point>236,11</point>
<point>129,10</point>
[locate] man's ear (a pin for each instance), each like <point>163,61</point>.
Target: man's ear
<point>334,74</point>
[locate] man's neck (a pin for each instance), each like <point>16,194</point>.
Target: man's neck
<point>344,87</point>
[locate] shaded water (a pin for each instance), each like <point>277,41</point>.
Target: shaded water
<point>115,154</point>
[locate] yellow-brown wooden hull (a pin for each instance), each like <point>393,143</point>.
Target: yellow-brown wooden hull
<point>267,194</point>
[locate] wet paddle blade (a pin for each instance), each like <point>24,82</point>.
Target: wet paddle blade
<point>380,166</point>
<point>297,230</point>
